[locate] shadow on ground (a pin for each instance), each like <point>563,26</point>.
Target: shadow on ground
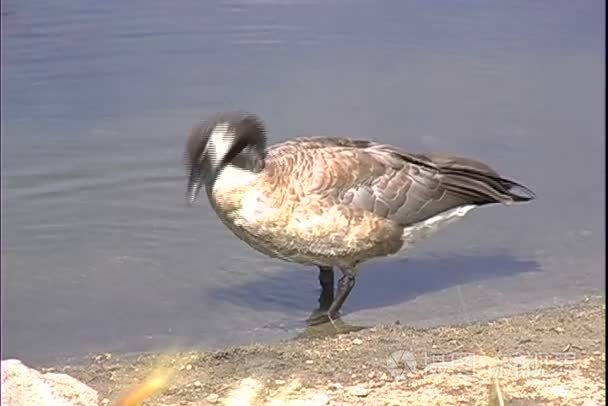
<point>379,284</point>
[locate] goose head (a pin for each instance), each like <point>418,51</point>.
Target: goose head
<point>229,138</point>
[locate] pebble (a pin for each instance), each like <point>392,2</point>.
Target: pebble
<point>188,367</point>
<point>357,341</point>
<point>279,382</point>
<point>320,399</point>
<point>335,386</point>
<point>371,375</point>
<point>104,356</point>
<point>308,361</point>
<point>359,391</point>
<point>212,398</point>
<point>197,384</point>
<point>559,390</point>
<point>296,385</point>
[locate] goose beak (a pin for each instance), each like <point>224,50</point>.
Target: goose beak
<point>195,182</point>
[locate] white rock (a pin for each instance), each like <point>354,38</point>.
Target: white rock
<point>559,390</point>
<point>22,385</point>
<point>295,385</point>
<point>359,391</point>
<point>212,398</point>
<point>357,341</point>
<point>319,399</point>
<point>245,393</point>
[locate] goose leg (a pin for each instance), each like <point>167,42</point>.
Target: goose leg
<point>326,297</point>
<point>326,279</point>
<point>345,285</point>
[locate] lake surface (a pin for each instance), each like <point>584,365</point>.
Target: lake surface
<point>101,253</point>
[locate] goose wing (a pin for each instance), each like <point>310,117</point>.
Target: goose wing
<point>394,184</point>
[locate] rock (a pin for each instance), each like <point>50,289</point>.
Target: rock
<point>357,341</point>
<point>197,384</point>
<point>22,385</point>
<point>103,357</point>
<point>559,391</point>
<point>359,391</point>
<point>335,386</point>
<point>319,399</point>
<point>245,393</point>
<point>279,382</point>
<point>308,361</point>
<point>212,398</point>
<point>296,385</point>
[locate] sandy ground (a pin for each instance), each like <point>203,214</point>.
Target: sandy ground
<point>555,356</point>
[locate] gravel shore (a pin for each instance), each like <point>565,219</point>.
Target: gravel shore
<point>554,356</point>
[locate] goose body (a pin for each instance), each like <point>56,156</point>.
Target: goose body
<point>332,202</point>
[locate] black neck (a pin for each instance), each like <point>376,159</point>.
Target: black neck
<point>249,156</point>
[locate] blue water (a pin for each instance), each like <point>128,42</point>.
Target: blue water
<point>100,252</point>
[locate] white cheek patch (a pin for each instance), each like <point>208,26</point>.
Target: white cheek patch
<point>232,177</point>
<point>220,141</point>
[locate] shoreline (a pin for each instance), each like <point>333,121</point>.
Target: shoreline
<point>550,356</point>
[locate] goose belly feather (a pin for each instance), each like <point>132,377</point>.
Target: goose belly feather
<point>307,230</point>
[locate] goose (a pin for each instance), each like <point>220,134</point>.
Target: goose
<point>332,202</point>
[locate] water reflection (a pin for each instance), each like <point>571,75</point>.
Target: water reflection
<point>379,284</point>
